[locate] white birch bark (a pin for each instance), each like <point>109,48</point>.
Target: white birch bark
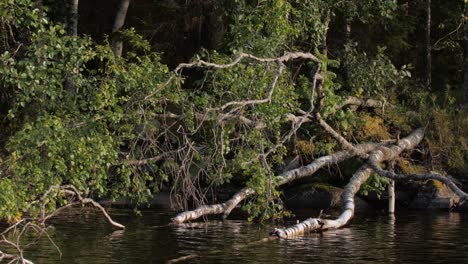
<point>361,176</point>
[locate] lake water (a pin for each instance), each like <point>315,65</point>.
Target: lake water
<point>414,237</point>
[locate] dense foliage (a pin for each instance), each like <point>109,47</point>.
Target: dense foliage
<point>73,113</point>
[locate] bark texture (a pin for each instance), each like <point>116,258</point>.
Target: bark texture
<point>119,21</point>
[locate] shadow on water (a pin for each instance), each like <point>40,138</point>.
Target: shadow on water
<point>411,237</point>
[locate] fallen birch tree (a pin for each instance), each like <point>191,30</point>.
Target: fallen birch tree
<point>371,153</point>
<point>362,174</point>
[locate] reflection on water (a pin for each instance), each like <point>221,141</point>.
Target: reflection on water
<point>371,238</point>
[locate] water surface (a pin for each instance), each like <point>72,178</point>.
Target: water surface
<point>84,237</point>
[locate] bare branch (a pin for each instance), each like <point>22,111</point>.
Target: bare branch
<point>152,159</point>
<point>285,58</point>
<point>343,142</point>
<point>447,180</point>
<point>23,225</point>
<point>103,211</point>
<point>355,101</point>
<point>258,101</point>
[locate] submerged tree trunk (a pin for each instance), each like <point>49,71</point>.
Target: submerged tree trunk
<point>391,197</point>
<point>119,21</point>
<point>372,154</point>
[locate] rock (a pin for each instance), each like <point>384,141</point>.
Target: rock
<point>433,195</point>
<point>318,196</point>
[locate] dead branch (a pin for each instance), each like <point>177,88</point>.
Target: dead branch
<point>258,101</point>
<point>232,109</point>
<point>38,224</point>
<point>241,56</point>
<point>355,101</point>
<point>285,58</point>
<point>18,257</point>
<point>13,258</point>
<point>343,142</point>
<point>447,180</point>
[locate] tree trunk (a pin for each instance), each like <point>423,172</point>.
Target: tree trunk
<point>347,29</point>
<point>72,30</point>
<point>465,57</point>
<point>117,44</point>
<point>428,70</point>
<point>324,40</point>
<point>360,177</point>
<point>217,28</point>
<point>347,39</point>
<point>72,25</point>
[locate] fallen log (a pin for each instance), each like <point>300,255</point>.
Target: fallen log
<point>289,176</point>
<point>381,154</point>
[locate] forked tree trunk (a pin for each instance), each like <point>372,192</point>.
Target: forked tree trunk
<point>360,177</point>
<point>119,21</point>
